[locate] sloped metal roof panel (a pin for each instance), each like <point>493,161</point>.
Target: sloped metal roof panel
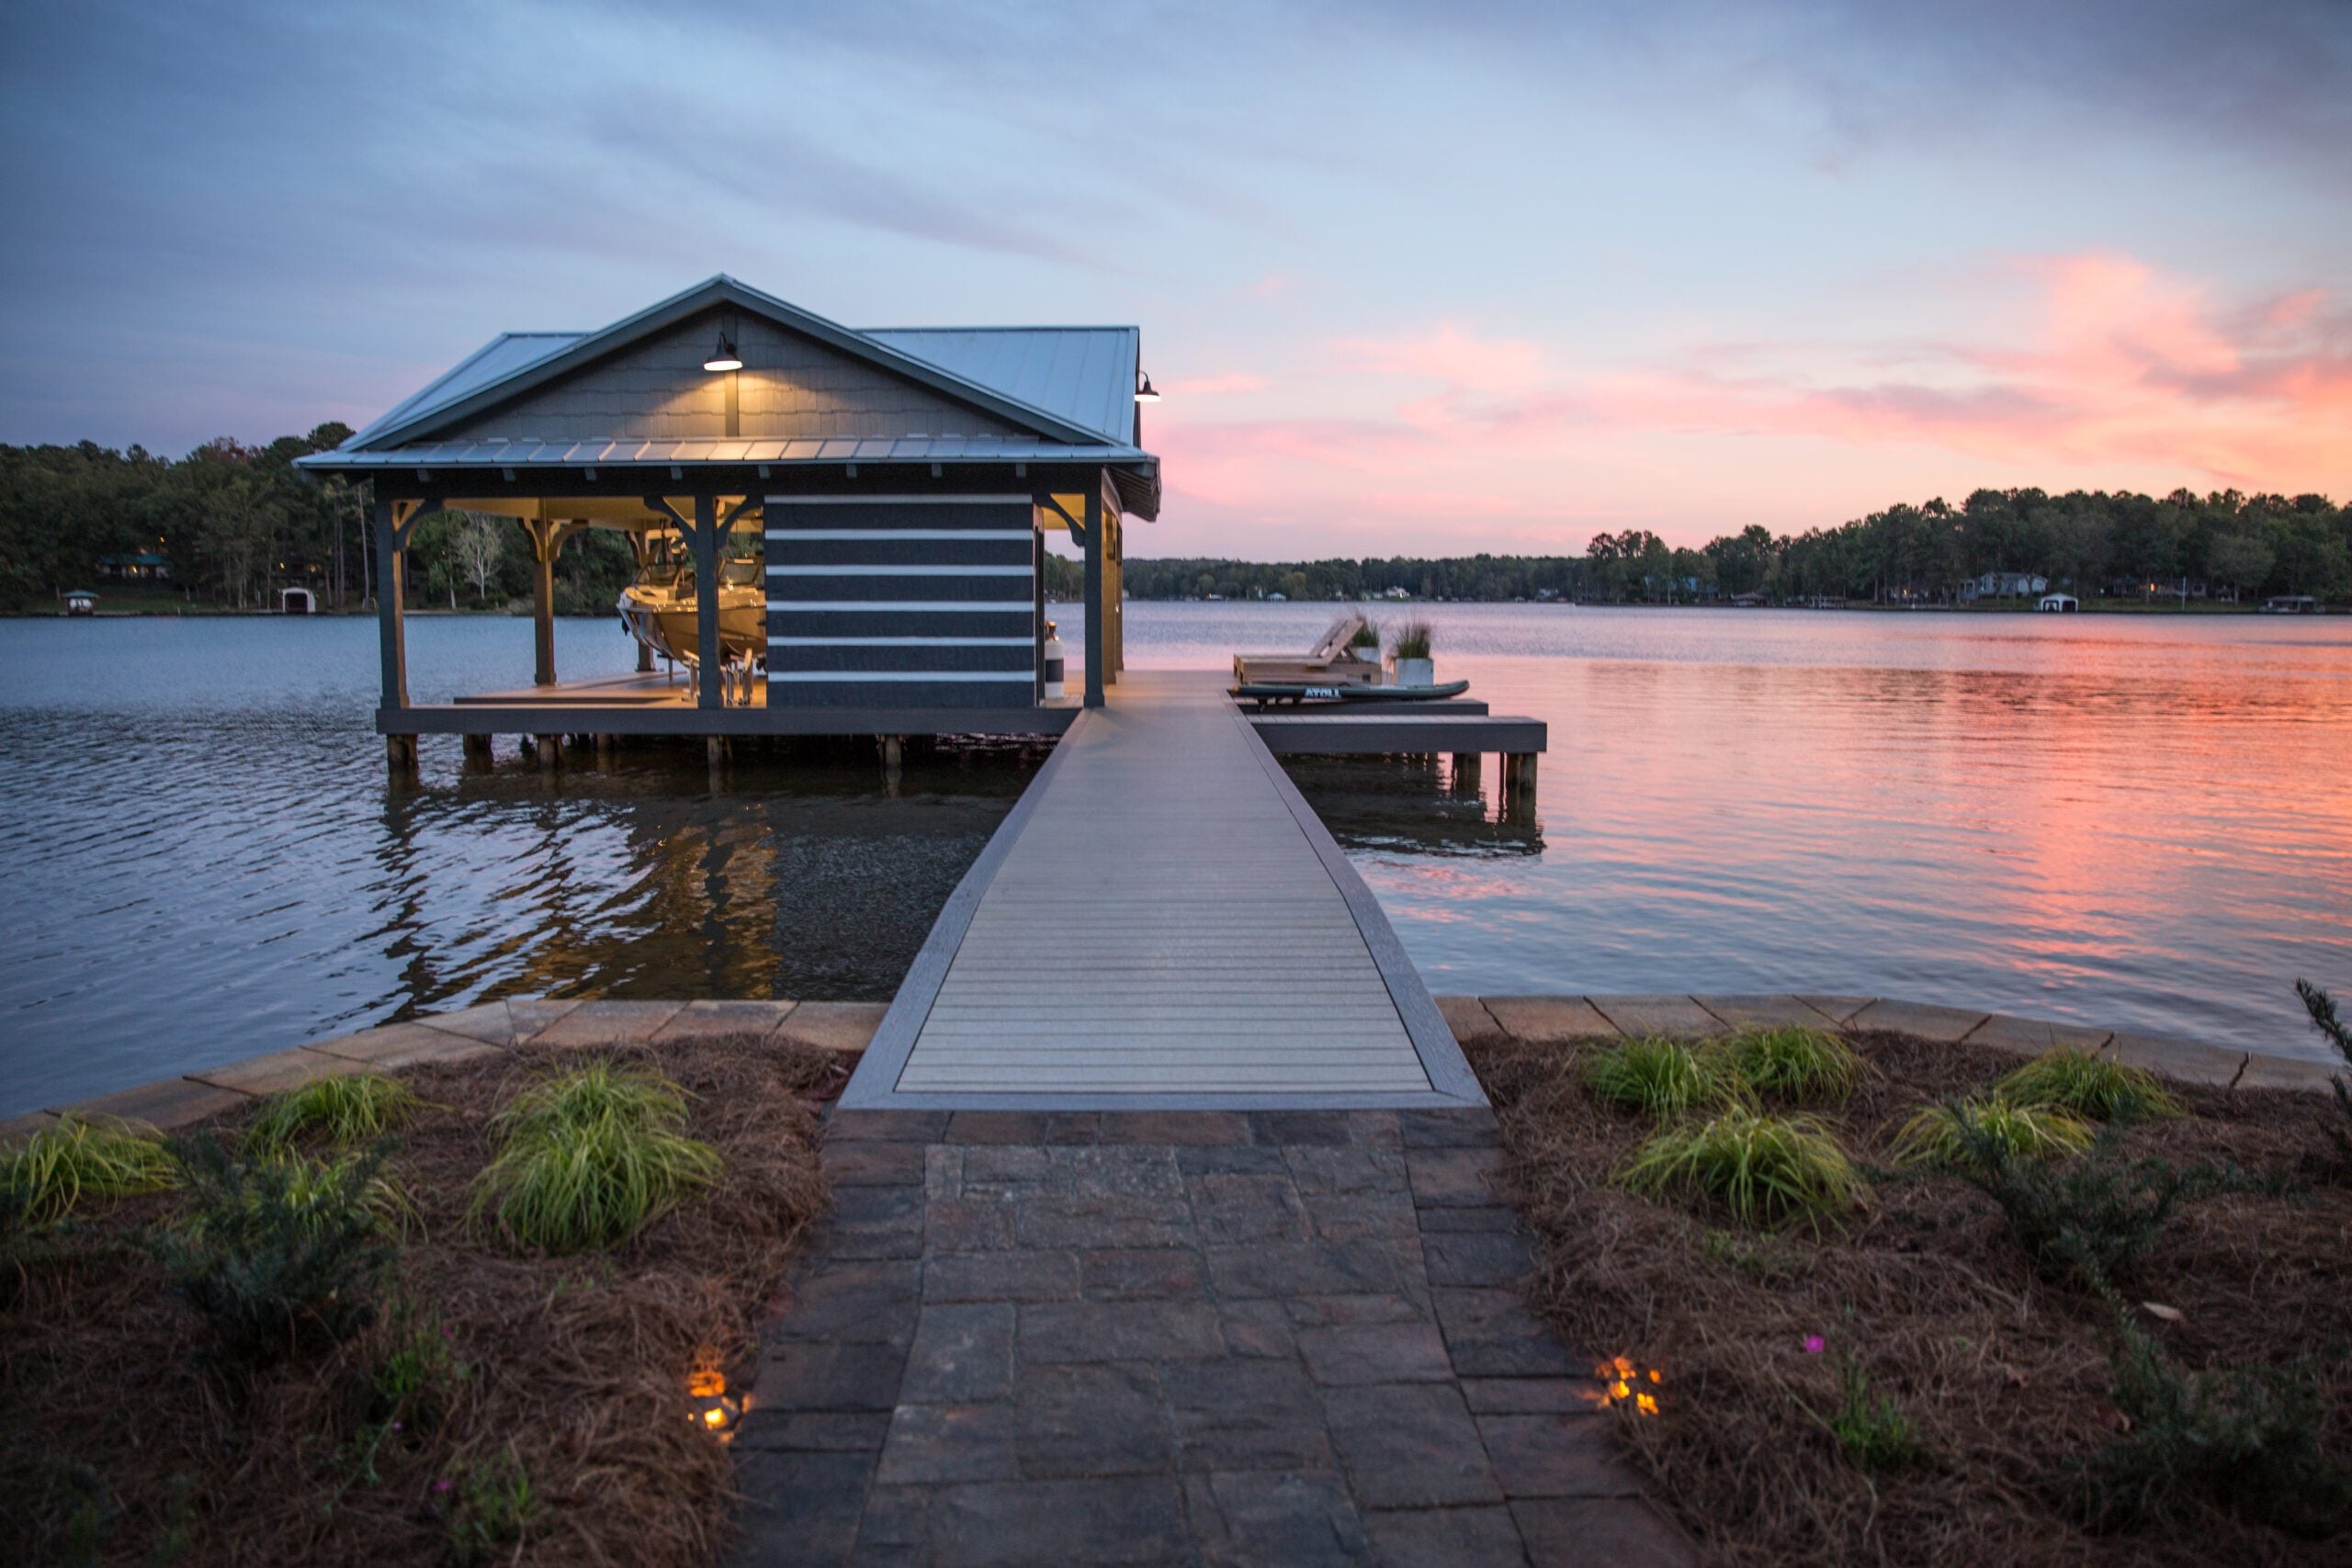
<point>500,357</point>
<point>1086,375</point>
<point>535,455</point>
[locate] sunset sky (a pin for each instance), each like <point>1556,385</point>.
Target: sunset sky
<point>1414,278</point>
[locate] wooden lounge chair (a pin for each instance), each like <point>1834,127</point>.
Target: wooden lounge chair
<point>1333,662</point>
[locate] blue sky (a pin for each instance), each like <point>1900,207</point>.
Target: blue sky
<point>1478,276</point>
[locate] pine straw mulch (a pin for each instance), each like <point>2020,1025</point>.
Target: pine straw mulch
<point>2006,1376</point>
<point>579,1364</point>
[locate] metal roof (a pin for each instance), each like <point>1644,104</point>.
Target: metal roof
<point>1087,375</point>
<point>494,361</point>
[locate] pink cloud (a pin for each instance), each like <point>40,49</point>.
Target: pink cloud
<point>1226,385</point>
<point>2094,369</point>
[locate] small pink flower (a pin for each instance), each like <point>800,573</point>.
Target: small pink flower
<point>396,1425</point>
<point>1814,1344</point>
<point>442,1486</point>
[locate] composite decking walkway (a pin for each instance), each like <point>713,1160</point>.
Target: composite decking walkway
<point>1162,921</point>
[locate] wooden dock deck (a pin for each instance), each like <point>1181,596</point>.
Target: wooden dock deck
<point>1162,922</point>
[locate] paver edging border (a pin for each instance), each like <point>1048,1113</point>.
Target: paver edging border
<point>2188,1061</point>
<point>491,1029</point>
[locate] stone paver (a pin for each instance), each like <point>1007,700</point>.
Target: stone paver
<point>722,1020</point>
<point>1549,1021</point>
<point>1763,1011</point>
<point>406,1045</point>
<point>1272,1337</point>
<point>1469,1018</point>
<point>607,1023</point>
<point>1946,1025</point>
<point>278,1072</point>
<point>492,1023</point>
<point>173,1102</point>
<point>832,1026</point>
<point>1675,1017</point>
<point>1841,1009</point>
<point>2032,1036</point>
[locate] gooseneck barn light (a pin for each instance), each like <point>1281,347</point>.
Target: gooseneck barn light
<point>724,356</point>
<point>1144,391</point>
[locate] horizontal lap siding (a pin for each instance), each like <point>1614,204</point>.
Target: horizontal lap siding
<point>915,602</point>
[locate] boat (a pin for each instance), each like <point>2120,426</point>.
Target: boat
<point>1264,691</point>
<point>657,608</point>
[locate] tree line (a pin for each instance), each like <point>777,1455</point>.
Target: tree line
<point>2224,546</point>
<point>231,523</point>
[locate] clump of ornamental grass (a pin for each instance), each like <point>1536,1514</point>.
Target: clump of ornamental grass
<point>1660,1076</point>
<point>587,1159</point>
<point>50,1173</point>
<point>356,1109</point>
<point>2098,1088</point>
<point>1957,1135</point>
<point>1795,1063</point>
<point>1762,1167</point>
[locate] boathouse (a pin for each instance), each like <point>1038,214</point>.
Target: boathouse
<point>903,481</point>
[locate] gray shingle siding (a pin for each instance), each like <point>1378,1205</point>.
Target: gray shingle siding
<point>791,387</point>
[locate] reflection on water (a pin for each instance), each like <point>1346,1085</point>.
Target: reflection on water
<point>2137,821</point>
<point>2143,822</point>
<point>203,858</point>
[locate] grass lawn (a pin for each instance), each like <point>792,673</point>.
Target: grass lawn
<point>2135,1354</point>
<point>306,1351</point>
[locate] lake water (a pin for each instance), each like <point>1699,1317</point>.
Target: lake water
<point>2142,822</point>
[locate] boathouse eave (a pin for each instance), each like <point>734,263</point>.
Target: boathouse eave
<point>737,468</point>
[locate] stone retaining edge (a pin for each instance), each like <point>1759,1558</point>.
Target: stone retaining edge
<point>846,1027</point>
<point>488,1030</point>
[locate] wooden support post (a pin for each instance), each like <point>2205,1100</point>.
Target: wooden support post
<point>550,750</point>
<point>718,751</point>
<point>1466,773</point>
<point>1519,786</point>
<point>1096,653</point>
<point>545,540</point>
<point>604,750</point>
<point>400,755</point>
<point>1115,595</point>
<point>391,535</point>
<point>710,692</point>
<point>477,752</point>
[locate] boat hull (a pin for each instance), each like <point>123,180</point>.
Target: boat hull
<point>669,626</point>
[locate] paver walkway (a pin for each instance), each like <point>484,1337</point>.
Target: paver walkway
<point>1190,1337</point>
<point>1161,920</point>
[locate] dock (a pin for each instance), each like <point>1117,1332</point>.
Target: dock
<point>1162,922</point>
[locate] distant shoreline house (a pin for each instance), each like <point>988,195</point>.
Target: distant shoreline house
<point>2005,585</point>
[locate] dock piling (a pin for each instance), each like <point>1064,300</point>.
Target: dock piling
<point>399,754</point>
<point>1519,787</point>
<point>550,750</point>
<point>1466,768</point>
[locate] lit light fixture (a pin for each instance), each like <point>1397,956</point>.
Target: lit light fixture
<point>1144,391</point>
<point>724,356</point>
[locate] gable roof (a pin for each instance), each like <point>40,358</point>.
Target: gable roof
<point>1066,374</point>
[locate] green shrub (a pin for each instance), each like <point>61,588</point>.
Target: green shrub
<point>1955,1135</point>
<point>2249,1438</point>
<point>496,1506</point>
<point>1660,1076</point>
<point>1763,1168</point>
<point>1873,1431</point>
<point>50,1172</point>
<point>1797,1063</point>
<point>586,1160</point>
<point>357,1109</point>
<point>276,1255</point>
<point>417,1372</point>
<point>2091,1215</point>
<point>2322,1008</point>
<point>2098,1088</point>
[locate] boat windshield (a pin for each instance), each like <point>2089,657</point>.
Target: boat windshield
<point>741,572</point>
<point>657,574</point>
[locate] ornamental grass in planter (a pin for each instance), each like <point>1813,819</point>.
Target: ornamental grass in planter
<point>267,1363</point>
<point>2125,1354</point>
